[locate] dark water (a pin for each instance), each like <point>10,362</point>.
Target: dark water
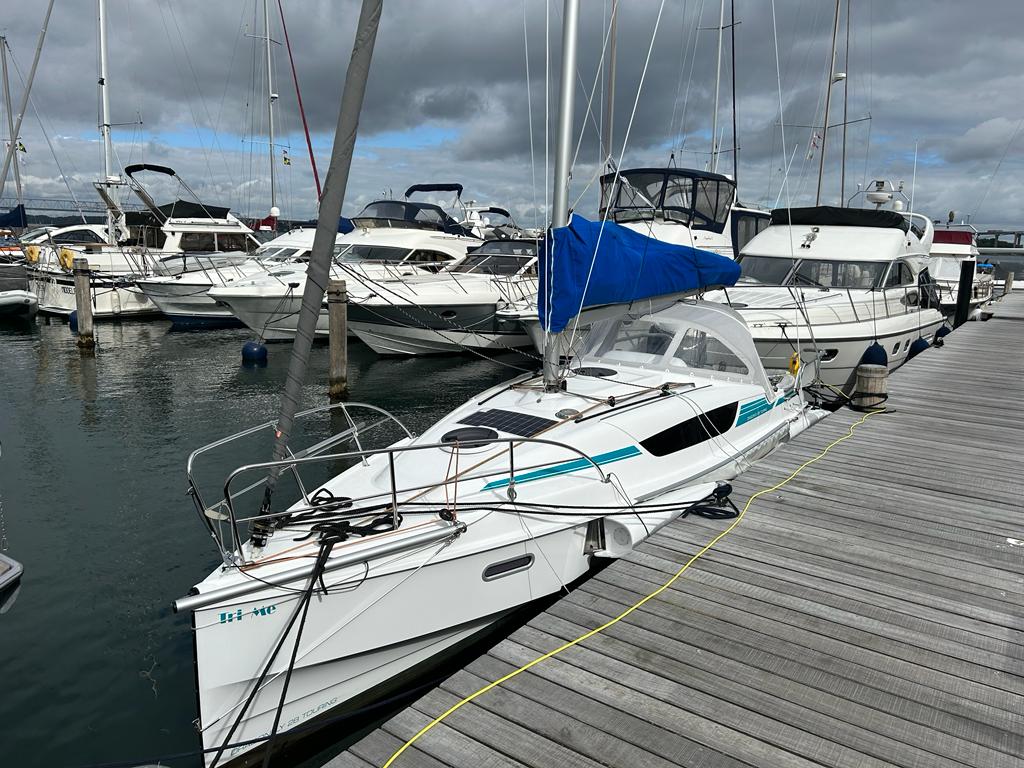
<point>94,666</point>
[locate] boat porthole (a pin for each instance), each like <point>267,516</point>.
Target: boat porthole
<point>507,567</point>
<point>448,314</point>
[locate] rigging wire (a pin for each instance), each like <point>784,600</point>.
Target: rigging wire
<point>529,118</point>
<point>999,164</point>
<point>638,604</point>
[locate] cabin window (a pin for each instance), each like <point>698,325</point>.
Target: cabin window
<point>838,274</point>
<point>768,270</point>
<point>198,242</point>
<point>78,236</point>
<point>507,567</point>
<point>377,253</point>
<point>747,226</point>
<point>691,432</point>
<point>233,241</point>
<point>643,342</point>
<point>428,257</point>
<point>492,264</point>
<point>697,349</point>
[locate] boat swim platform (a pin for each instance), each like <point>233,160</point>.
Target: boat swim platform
<point>869,613</point>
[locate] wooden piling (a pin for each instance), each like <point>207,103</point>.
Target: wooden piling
<point>83,302</point>
<point>1008,283</point>
<point>337,315</point>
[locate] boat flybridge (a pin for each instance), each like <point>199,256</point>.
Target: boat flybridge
<point>453,311</point>
<point>391,240</point>
<point>174,238</point>
<point>826,283</point>
<point>674,205</point>
<point>952,247</point>
<point>427,540</point>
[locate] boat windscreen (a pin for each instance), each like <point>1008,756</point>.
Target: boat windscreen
<point>380,254</point>
<point>823,273</point>
<point>493,264</point>
<point>700,200</point>
<point>406,214</point>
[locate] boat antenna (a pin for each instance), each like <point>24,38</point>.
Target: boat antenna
<point>828,100</point>
<point>13,147</point>
<point>318,273</point>
<point>298,97</point>
<point>563,146</point>
<point>718,81</point>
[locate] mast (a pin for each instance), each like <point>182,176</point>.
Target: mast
<point>609,122</point>
<point>109,176</point>
<point>563,148</point>
<point>828,101</point>
<point>846,93</point>
<point>718,82</point>
<point>271,98</point>
<point>10,115</point>
<point>24,97</point>
<point>735,134</point>
<point>319,269</point>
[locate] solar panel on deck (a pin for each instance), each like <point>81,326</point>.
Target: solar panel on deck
<point>522,424</point>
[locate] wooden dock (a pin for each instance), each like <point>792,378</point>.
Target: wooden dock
<point>870,613</point>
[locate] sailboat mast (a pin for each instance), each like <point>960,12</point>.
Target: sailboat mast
<point>24,96</point>
<point>566,105</point>
<point>828,101</point>
<point>735,133</point>
<point>563,148</point>
<point>718,82</point>
<point>108,145</point>
<point>335,185</point>
<point>846,94</point>
<point>609,121</point>
<point>10,114</point>
<point>271,98</point>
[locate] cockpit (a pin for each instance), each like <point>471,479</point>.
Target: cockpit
<point>696,199</point>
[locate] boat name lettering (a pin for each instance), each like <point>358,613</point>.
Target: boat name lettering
<point>263,610</point>
<point>68,290</point>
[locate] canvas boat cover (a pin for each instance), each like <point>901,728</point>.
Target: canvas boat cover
<point>593,263</point>
<point>833,216</point>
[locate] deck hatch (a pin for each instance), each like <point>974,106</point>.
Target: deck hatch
<point>522,424</point>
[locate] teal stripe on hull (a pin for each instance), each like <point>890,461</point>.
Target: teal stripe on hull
<point>566,467</point>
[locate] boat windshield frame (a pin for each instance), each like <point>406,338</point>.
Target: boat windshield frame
<point>794,277</point>
<point>407,214</point>
<point>678,195</point>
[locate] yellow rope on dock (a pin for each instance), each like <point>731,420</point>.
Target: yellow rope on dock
<point>637,604</point>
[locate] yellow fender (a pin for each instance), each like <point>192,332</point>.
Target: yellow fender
<point>32,254</point>
<point>66,257</point>
<point>794,363</point>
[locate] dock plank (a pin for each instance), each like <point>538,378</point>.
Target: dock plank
<point>870,613</point>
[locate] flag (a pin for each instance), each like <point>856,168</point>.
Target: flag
<point>21,147</point>
<point>287,160</point>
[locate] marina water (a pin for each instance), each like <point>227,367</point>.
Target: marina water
<point>95,667</point>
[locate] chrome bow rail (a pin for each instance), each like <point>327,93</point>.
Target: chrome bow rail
<point>223,514</point>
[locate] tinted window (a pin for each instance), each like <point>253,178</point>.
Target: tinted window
<point>691,432</point>
<point>838,274</point>
<point>378,253</point>
<point>78,236</point>
<point>235,241</point>
<point>490,264</point>
<point>764,269</point>
<point>197,242</point>
<point>428,257</point>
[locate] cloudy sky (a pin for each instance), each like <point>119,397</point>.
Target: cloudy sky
<point>449,99</point>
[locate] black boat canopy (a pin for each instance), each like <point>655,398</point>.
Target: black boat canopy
<point>832,216</point>
<point>456,188</point>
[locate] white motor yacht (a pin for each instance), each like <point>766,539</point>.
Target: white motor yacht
<point>392,240</point>
<point>829,282</point>
<point>453,311</point>
<point>184,297</point>
<point>952,247</point>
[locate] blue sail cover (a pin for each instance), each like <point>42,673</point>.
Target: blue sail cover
<point>628,266</point>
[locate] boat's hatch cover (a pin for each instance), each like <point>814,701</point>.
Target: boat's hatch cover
<point>512,422</point>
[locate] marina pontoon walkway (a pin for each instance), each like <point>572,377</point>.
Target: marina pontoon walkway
<point>869,613</point>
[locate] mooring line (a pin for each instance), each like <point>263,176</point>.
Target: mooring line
<point>611,622</point>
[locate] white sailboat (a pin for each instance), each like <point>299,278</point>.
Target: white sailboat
<point>425,541</point>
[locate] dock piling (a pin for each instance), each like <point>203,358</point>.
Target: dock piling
<point>1008,283</point>
<point>337,316</point>
<point>83,303</point>
<point>965,291</point>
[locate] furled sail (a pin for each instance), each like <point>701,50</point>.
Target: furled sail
<point>593,263</point>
